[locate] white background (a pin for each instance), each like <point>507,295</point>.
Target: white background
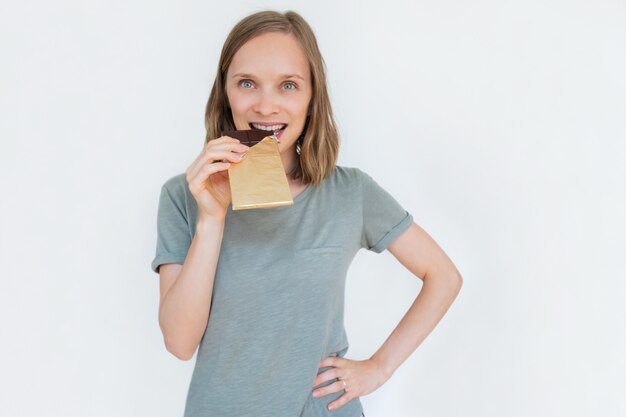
<point>499,125</point>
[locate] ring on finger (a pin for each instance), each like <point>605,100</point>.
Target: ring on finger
<point>345,386</point>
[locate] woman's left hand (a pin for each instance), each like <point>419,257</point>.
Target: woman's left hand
<point>361,378</point>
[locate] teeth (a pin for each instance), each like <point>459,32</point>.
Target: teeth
<point>268,128</point>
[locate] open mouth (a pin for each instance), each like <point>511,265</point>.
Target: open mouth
<point>273,128</point>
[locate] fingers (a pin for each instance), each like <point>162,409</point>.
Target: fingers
<point>341,371</point>
<point>329,389</point>
<point>326,376</point>
<point>224,148</point>
<point>333,361</point>
<point>196,182</point>
<point>353,379</point>
<point>343,400</point>
<point>210,148</point>
<point>223,139</point>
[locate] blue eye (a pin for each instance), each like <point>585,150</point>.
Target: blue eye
<point>245,83</point>
<point>292,85</point>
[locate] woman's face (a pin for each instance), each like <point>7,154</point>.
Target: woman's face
<point>268,85</point>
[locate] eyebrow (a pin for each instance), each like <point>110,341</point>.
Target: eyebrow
<point>243,75</point>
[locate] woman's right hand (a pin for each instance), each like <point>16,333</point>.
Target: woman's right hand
<point>207,176</point>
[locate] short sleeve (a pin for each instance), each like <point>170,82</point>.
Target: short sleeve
<point>173,236</point>
<point>384,219</point>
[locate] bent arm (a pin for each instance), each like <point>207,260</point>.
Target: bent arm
<point>185,294</point>
<point>421,255</point>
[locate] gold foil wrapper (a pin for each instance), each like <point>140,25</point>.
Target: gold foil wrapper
<point>259,180</point>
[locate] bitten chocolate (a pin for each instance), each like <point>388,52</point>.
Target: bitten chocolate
<point>248,137</point>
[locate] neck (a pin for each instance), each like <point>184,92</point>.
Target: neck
<point>289,160</point>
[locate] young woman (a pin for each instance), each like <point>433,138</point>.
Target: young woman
<point>261,291</point>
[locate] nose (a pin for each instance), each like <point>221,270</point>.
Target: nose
<point>266,103</point>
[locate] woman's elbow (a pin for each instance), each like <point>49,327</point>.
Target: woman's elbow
<point>182,352</point>
<point>451,279</point>
<point>453,283</point>
<point>457,281</point>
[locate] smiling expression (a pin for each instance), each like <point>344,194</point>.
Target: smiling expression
<point>268,85</point>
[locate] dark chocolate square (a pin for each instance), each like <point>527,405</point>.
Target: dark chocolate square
<point>248,137</point>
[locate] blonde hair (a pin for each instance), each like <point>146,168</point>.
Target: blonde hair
<point>319,138</point>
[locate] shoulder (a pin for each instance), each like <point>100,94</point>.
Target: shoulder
<point>350,176</point>
<point>176,187</point>
<point>176,183</point>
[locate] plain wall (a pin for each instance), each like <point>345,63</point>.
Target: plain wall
<point>499,125</point>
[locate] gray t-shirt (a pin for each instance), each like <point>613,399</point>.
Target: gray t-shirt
<point>278,296</point>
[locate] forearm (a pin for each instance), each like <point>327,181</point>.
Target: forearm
<point>184,311</point>
<point>437,294</point>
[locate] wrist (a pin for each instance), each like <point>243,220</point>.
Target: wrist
<point>209,224</point>
<point>383,367</point>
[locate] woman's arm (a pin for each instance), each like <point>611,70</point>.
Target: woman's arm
<point>186,291</point>
<point>421,255</point>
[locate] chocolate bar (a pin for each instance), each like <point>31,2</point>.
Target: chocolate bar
<point>248,137</point>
